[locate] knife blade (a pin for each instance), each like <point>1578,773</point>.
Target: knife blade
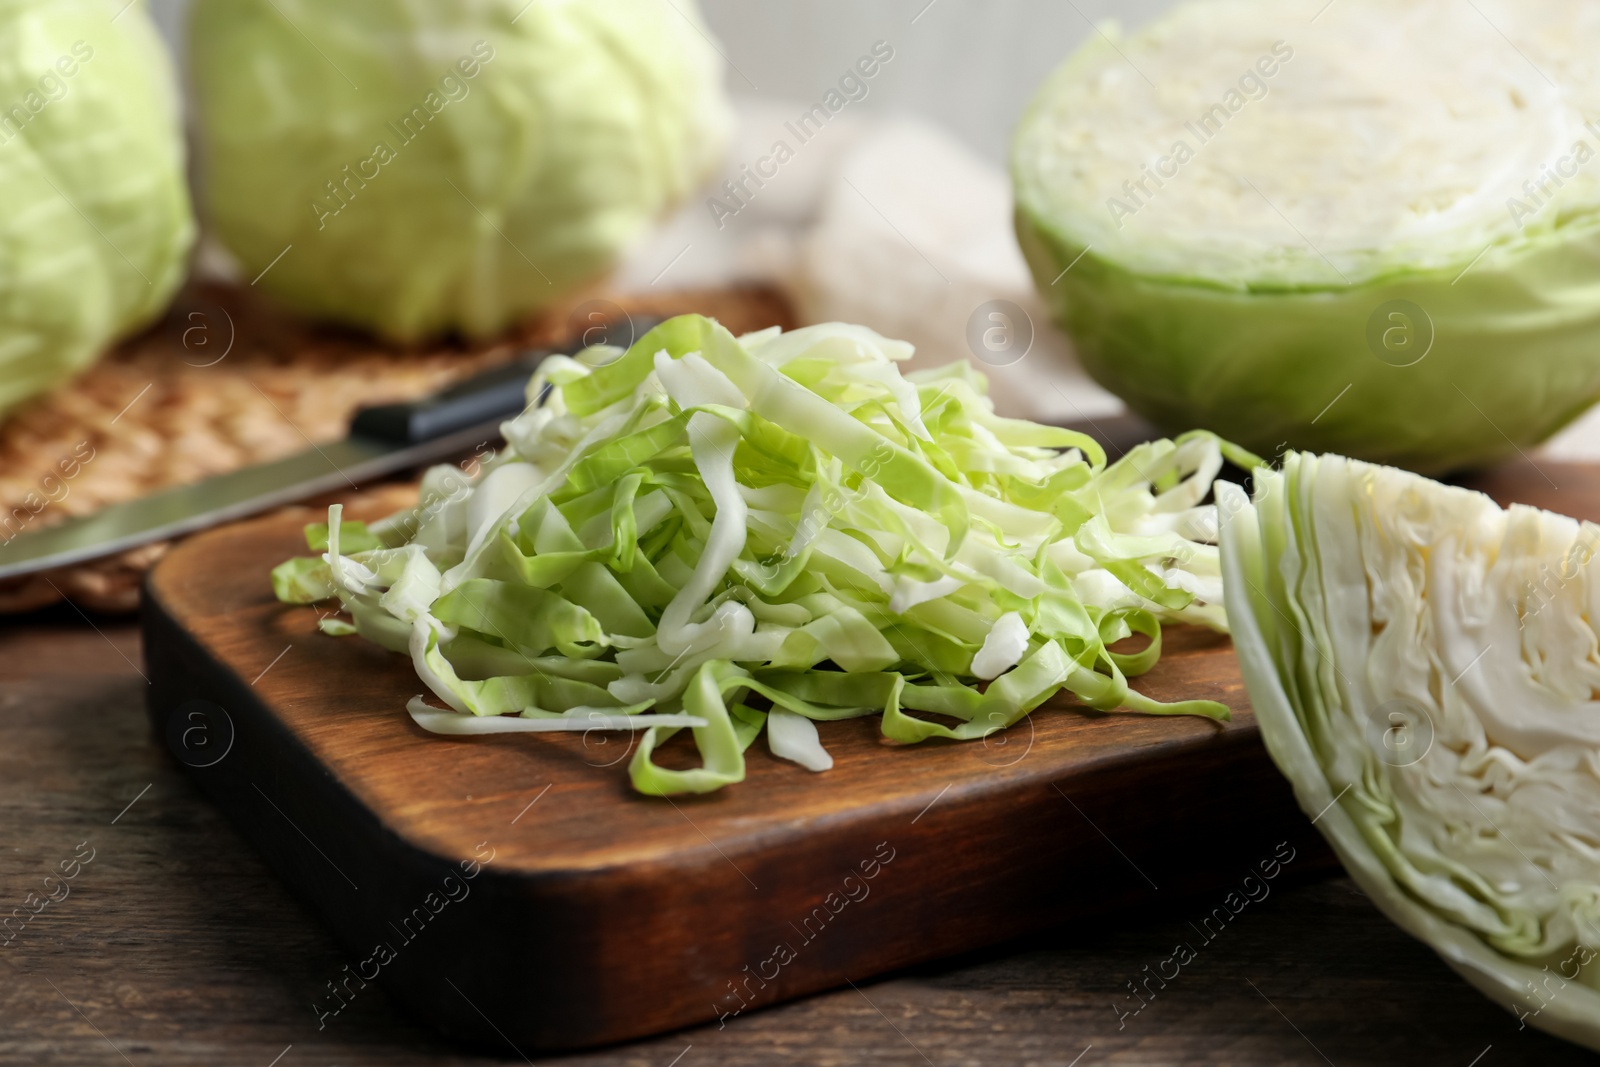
<point>383,440</point>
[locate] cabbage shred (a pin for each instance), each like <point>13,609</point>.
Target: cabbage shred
<point>730,535</point>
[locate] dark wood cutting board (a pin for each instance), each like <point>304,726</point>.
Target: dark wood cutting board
<point>513,890</point>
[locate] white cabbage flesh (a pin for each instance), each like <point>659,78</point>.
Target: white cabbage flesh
<point>1425,668</point>
<point>1263,147</point>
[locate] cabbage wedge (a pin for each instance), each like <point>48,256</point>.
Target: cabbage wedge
<point>746,535</point>
<point>1425,668</point>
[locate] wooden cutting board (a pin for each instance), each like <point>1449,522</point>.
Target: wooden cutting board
<point>513,890</point>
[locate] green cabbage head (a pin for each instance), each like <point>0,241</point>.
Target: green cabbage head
<point>95,225</point>
<point>1376,235</point>
<point>419,168</point>
<point>1423,667</point>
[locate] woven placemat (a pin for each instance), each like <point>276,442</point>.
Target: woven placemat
<point>225,380</point>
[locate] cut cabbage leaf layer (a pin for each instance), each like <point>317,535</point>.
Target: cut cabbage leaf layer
<point>735,534</point>
<point>1425,668</point>
<point>1395,137</point>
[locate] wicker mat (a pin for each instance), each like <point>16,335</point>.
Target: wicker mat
<point>225,381</point>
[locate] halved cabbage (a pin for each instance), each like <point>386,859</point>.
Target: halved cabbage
<point>1375,232</point>
<point>737,534</point>
<point>1425,668</point>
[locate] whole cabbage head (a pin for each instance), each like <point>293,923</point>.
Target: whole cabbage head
<point>450,165</point>
<point>1424,669</point>
<point>1376,233</point>
<point>95,225</point>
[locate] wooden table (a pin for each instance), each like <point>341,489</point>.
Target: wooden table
<point>176,946</point>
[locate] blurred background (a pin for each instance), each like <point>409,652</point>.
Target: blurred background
<point>899,218</point>
<point>897,215</point>
<point>599,168</point>
<point>963,63</point>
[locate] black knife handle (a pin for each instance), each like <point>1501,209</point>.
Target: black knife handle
<point>493,396</point>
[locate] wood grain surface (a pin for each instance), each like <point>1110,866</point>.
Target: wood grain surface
<point>176,944</point>
<point>605,915</point>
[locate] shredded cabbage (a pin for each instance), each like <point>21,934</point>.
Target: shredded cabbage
<point>728,534</point>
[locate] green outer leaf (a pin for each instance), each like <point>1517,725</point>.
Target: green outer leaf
<point>533,620</point>
<point>353,537</point>
<point>524,148</point>
<point>98,221</point>
<point>718,740</point>
<point>303,580</point>
<point>1263,368</point>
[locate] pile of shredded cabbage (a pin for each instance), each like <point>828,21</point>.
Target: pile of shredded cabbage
<point>723,534</point>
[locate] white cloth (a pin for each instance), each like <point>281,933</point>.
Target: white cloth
<point>891,224</point>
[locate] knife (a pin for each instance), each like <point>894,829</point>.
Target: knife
<point>383,440</point>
